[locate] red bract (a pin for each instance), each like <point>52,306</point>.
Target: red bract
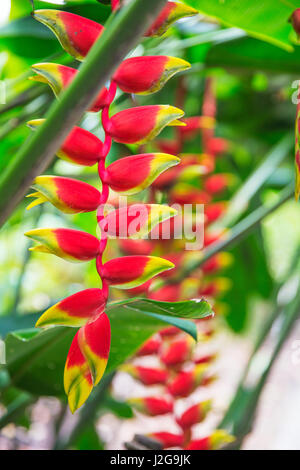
<point>59,78</point>
<point>75,310</point>
<point>177,352</point>
<point>144,75</point>
<point>151,346</point>
<point>75,33</point>
<point>81,147</point>
<point>195,414</point>
<point>167,439</point>
<point>146,375</point>
<point>68,195</point>
<point>142,124</point>
<point>213,442</point>
<point>171,13</point>
<point>72,245</point>
<point>152,406</point>
<point>186,382</point>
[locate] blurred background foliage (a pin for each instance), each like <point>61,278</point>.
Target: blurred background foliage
<point>254,58</point>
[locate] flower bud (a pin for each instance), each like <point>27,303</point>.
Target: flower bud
<point>142,124</point>
<point>171,13</point>
<point>75,310</point>
<point>66,194</point>
<point>147,74</point>
<point>69,244</point>
<point>75,33</point>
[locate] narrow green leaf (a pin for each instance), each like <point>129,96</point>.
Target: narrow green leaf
<point>265,20</point>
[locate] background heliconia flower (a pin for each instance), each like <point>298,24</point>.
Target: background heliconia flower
<point>171,13</point>
<point>195,414</point>
<point>120,177</point>
<point>167,439</point>
<point>136,220</point>
<point>78,382</point>
<point>152,406</point>
<point>94,342</point>
<point>69,244</point>
<point>132,271</point>
<point>146,375</point>
<point>75,310</point>
<point>59,77</point>
<point>75,33</point>
<point>213,442</point>
<point>187,381</point>
<point>147,74</point>
<point>177,352</point>
<point>142,124</point>
<point>151,346</point>
<point>66,194</point>
<point>80,147</point>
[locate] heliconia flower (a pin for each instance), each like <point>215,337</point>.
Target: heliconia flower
<point>217,262</point>
<point>136,247</point>
<point>215,287</point>
<point>152,406</point>
<point>213,442</point>
<point>81,146</point>
<point>215,210</point>
<point>94,342</point>
<point>171,13</point>
<point>151,346</point>
<point>147,167</point>
<point>75,33</point>
<point>217,146</point>
<point>194,415</point>
<point>131,271</point>
<point>75,310</point>
<point>59,78</point>
<point>136,220</point>
<point>142,289</point>
<point>66,194</point>
<point>78,382</point>
<point>69,244</point>
<point>167,439</point>
<point>194,124</point>
<point>215,184</point>
<point>147,74</point>
<point>187,381</point>
<point>178,352</point>
<point>142,124</point>
<point>146,375</point>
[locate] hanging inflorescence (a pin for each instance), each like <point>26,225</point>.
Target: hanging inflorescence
<point>88,354</point>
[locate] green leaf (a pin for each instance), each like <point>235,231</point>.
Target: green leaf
<point>21,36</point>
<point>251,54</point>
<point>119,408</point>
<point>195,309</point>
<point>88,440</point>
<point>265,20</point>
<point>35,359</point>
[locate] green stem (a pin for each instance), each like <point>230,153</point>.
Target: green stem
<point>239,232</point>
<point>121,34</point>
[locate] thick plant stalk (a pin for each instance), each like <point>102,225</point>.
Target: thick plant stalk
<point>120,35</point>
